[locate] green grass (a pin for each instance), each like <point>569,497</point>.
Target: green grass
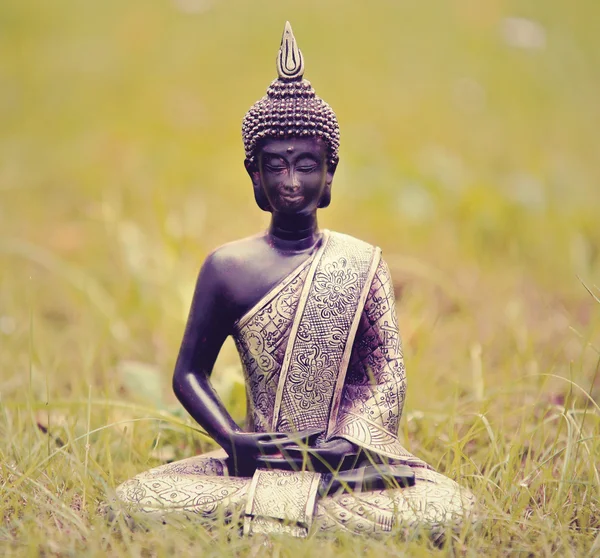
<point>472,161</point>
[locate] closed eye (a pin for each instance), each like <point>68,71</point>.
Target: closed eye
<point>306,168</point>
<point>306,164</point>
<point>275,168</point>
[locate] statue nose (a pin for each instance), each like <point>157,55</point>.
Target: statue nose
<point>292,183</point>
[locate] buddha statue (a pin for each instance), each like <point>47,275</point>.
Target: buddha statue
<point>312,314</point>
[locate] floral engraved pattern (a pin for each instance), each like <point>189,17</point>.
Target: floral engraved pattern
<point>324,327</point>
<point>304,332</point>
<point>189,487</point>
<point>261,340</point>
<point>335,288</point>
<point>434,501</point>
<point>281,496</point>
<point>376,380</point>
<point>312,379</point>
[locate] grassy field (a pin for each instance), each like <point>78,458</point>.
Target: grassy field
<point>470,154</point>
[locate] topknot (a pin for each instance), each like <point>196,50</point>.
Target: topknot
<point>291,108</point>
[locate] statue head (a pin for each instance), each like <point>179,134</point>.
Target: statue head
<point>293,121</point>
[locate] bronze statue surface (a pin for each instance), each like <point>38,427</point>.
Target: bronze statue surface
<point>312,314</point>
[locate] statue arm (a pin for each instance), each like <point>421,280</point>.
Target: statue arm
<point>209,323</point>
<point>207,327</point>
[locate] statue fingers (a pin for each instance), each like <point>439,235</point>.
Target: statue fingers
<point>269,447</point>
<point>282,463</point>
<point>270,436</point>
<point>305,437</point>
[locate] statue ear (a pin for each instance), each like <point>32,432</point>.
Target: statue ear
<point>259,193</point>
<point>326,196</point>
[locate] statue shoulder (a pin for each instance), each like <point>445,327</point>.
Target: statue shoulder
<point>354,244</point>
<point>232,258</point>
<point>344,238</point>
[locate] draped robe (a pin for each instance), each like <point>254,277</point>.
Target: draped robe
<point>321,350</point>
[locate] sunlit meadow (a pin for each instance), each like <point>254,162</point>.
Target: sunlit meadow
<point>470,154</point>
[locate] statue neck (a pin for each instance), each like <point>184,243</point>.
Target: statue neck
<point>293,233</point>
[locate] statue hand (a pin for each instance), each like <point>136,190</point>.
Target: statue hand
<point>335,455</point>
<point>371,477</point>
<point>246,448</point>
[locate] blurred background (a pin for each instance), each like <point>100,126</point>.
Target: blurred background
<point>470,154</point>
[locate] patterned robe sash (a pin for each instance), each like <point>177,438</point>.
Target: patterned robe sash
<point>322,351</point>
<point>281,502</point>
<point>295,344</point>
<point>321,337</point>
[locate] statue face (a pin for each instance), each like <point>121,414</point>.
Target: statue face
<point>292,174</point>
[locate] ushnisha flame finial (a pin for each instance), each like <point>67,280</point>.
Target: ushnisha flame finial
<point>290,62</point>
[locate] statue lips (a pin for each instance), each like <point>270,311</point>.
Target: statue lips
<point>292,199</point>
